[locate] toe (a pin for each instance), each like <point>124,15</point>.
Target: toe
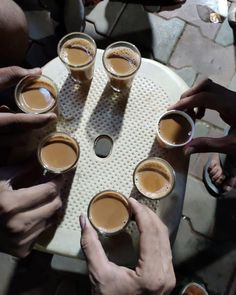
<point>220,180</point>
<point>214,171</point>
<point>212,165</point>
<point>217,175</point>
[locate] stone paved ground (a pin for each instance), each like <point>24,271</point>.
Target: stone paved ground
<point>176,36</point>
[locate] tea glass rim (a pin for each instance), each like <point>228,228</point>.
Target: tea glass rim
<point>172,172</point>
<point>35,77</point>
<point>183,114</point>
<point>60,45</point>
<point>193,284</point>
<point>44,140</point>
<point>136,51</point>
<point>99,230</point>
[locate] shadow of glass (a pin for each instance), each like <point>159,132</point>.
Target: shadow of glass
<point>48,235</point>
<point>124,255</point>
<point>107,117</point>
<point>72,99</point>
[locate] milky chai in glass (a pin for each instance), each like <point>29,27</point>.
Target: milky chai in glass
<point>78,51</point>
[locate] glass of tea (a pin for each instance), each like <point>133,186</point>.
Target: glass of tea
<point>109,212</point>
<point>58,153</point>
<point>154,178</point>
<point>37,95</point>
<point>175,129</point>
<point>121,61</point>
<point>78,51</point>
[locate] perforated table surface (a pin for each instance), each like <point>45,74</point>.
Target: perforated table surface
<point>131,121</point>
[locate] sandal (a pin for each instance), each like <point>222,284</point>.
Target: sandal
<point>229,170</point>
<point>213,190</point>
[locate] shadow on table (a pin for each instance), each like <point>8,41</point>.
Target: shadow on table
<point>120,255</point>
<point>72,99</point>
<point>107,117</point>
<point>48,235</point>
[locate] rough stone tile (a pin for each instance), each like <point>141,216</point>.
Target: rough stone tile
<point>196,169</point>
<point>200,78</point>
<point>201,130</point>
<point>187,74</point>
<point>198,161</point>
<point>165,37</point>
<point>7,267</point>
<point>218,266</point>
<point>104,15</point>
<point>199,259</point>
<point>134,26</point>
<point>90,30</point>
<point>187,244</point>
<point>40,24</point>
<point>232,85</point>
<point>150,32</point>
<point>188,12</point>
<point>225,34</point>
<point>205,56</point>
<point>101,40</point>
<point>199,206</point>
<point>213,117</point>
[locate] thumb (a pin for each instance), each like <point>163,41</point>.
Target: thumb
<point>92,248</point>
<point>226,145</point>
<point>9,76</point>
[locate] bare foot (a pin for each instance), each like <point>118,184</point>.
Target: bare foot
<point>215,170</point>
<point>218,175</point>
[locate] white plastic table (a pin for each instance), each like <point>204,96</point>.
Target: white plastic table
<point>131,121</point>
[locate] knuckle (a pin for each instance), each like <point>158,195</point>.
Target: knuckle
<point>21,253</point>
<point>6,204</point>
<point>14,227</point>
<point>52,189</point>
<point>57,203</point>
<point>85,241</point>
<point>153,286</point>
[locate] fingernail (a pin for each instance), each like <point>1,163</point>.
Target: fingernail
<point>51,117</point>
<point>133,199</point>
<point>82,220</point>
<point>189,150</point>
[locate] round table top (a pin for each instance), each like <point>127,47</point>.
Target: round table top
<point>131,121</point>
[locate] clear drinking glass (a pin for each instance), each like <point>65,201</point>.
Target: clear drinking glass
<point>154,178</point>
<point>37,95</point>
<point>121,61</point>
<point>161,138</point>
<point>109,212</point>
<point>58,153</point>
<point>78,51</point>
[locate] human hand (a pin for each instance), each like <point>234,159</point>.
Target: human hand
<point>25,212</point>
<point>15,130</point>
<point>9,76</point>
<point>154,272</point>
<point>210,95</point>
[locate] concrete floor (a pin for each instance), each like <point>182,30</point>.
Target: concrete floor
<point>177,36</point>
